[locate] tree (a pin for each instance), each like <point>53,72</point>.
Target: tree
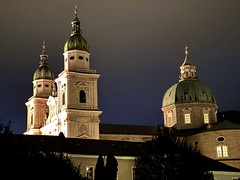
<point>25,163</point>
<point>5,128</point>
<point>167,157</point>
<point>99,170</point>
<point>111,167</point>
<point>109,171</point>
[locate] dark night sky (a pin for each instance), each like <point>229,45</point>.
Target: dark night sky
<point>136,46</point>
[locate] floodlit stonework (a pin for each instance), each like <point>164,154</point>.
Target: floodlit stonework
<point>68,105</point>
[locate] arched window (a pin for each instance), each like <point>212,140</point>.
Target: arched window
<point>82,97</point>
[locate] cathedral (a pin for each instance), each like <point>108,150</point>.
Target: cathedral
<point>68,104</point>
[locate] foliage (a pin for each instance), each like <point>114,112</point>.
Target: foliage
<point>5,128</point>
<point>25,163</point>
<point>99,170</point>
<point>167,157</point>
<point>111,167</point>
<point>109,171</point>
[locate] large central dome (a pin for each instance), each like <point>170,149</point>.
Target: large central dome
<point>189,89</point>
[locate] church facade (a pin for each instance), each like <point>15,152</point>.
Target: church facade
<point>68,104</point>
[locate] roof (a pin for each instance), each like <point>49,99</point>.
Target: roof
<point>127,129</point>
<point>188,91</point>
<point>95,147</point>
<point>74,145</point>
<point>221,125</point>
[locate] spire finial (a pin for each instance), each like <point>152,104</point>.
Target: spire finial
<point>44,46</point>
<point>186,50</point>
<point>43,56</point>
<point>75,10</point>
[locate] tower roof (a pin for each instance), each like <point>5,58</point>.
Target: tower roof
<point>189,89</point>
<point>43,71</point>
<point>76,41</point>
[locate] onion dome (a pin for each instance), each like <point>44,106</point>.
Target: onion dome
<point>76,41</point>
<point>43,71</point>
<point>189,89</point>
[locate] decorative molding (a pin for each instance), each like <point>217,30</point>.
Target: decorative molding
<point>83,129</point>
<point>82,83</point>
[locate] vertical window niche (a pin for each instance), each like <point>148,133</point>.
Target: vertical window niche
<point>170,118</point>
<point>82,96</point>
<point>63,98</point>
<point>31,119</point>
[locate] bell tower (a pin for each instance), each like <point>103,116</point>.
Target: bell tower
<point>43,87</point>
<point>77,90</point>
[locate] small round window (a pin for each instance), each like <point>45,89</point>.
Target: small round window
<point>72,57</point>
<point>80,57</point>
<point>87,59</point>
<point>221,139</point>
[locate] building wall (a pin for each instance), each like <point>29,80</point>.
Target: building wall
<point>125,164</point>
<point>208,141</point>
<point>126,137</point>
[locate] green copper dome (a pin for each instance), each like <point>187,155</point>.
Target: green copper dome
<point>189,89</point>
<point>76,41</point>
<point>43,71</point>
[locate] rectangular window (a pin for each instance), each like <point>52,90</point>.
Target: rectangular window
<point>222,151</point>
<point>187,118</point>
<point>219,151</point>
<point>225,151</point>
<point>89,172</point>
<point>206,118</point>
<point>169,118</point>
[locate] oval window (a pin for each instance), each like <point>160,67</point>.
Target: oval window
<point>72,57</point>
<point>221,139</point>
